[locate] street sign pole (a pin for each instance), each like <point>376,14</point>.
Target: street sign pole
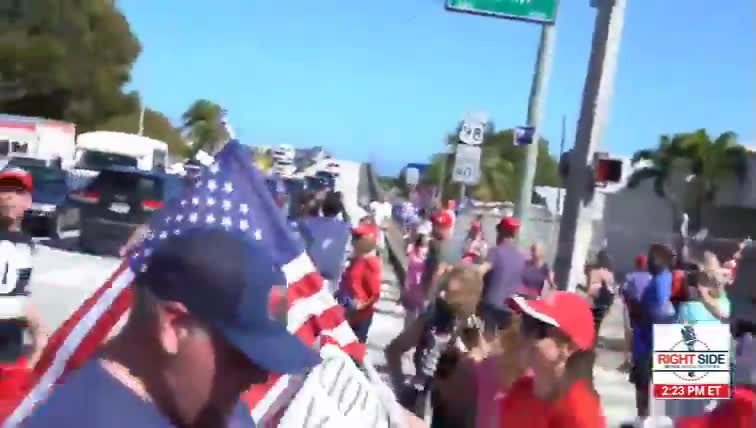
<point>445,160</point>
<point>542,12</point>
<point>576,226</point>
<point>537,94</point>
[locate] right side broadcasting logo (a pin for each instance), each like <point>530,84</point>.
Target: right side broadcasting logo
<point>691,362</point>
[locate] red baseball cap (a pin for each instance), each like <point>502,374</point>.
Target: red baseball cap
<point>567,311</point>
<point>640,261</point>
<point>17,177</point>
<point>442,218</point>
<point>509,223</point>
<point>366,231</point>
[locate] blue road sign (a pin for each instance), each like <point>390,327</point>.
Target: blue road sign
<point>523,135</point>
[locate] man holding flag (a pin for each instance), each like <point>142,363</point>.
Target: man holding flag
<point>200,332</point>
<point>232,196</point>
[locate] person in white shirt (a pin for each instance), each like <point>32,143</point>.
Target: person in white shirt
<point>381,211</point>
<point>17,312</point>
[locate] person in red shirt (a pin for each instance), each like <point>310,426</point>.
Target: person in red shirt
<point>361,280</point>
<point>558,335</point>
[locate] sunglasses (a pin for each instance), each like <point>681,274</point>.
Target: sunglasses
<point>533,328</point>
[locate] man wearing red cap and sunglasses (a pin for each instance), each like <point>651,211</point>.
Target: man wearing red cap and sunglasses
<point>16,311</point>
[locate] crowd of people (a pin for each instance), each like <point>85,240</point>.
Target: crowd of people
<point>493,340</point>
<point>516,351</point>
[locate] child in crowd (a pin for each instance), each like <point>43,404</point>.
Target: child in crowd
<point>412,293</point>
<point>449,312</point>
<point>360,285</point>
<point>494,369</point>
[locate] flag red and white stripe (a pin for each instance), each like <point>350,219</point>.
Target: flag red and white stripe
<point>313,315</point>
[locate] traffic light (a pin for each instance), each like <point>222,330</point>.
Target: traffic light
<point>606,169</point>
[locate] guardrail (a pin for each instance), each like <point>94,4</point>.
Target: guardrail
<point>394,237</point>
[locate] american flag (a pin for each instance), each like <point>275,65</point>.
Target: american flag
<point>229,193</point>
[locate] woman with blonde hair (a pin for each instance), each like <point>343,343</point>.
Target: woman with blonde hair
<point>537,276</point>
<point>439,335</point>
<point>492,367</point>
<point>708,300</point>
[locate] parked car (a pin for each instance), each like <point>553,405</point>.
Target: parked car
<point>278,191</point>
<point>52,212</point>
<point>118,201</point>
<point>284,168</point>
<point>295,191</point>
<point>329,179</point>
<point>314,183</point>
<point>22,162</point>
<point>333,168</point>
<point>284,152</point>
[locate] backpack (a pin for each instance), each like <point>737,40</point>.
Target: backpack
<point>326,242</point>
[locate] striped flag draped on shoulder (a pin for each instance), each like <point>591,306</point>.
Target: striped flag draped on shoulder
<point>232,194</point>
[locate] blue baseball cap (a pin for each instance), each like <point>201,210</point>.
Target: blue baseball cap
<point>231,282</point>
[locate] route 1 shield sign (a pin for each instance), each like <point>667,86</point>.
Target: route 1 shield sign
<point>467,164</point>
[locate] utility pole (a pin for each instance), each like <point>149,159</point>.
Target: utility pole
<point>537,94</point>
<point>141,120</point>
<point>576,227</point>
<point>561,152</point>
<point>446,159</point>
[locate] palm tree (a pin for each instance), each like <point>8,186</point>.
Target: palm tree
<point>202,124</point>
<point>709,162</point>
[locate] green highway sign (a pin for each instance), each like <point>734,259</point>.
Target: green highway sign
<point>541,11</point>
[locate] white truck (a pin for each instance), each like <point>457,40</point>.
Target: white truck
<point>100,149</point>
<point>284,152</point>
<point>97,150</point>
<point>38,138</point>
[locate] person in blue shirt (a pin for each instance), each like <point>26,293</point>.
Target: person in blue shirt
<point>654,307</point>
<point>202,329</point>
<point>631,291</point>
<point>326,239</point>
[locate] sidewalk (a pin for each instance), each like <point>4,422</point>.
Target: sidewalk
<point>388,322</point>
<point>617,393</point>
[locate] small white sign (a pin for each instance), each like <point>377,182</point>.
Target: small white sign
<point>473,128</point>
<point>120,208</point>
<point>467,164</point>
<point>337,394</point>
<point>691,361</point>
<point>523,135</point>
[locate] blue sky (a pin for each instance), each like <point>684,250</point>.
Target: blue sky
<point>387,80</point>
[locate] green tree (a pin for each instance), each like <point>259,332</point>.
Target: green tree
<point>67,60</point>
<point>501,164</point>
<point>156,126</point>
<point>710,163</point>
<point>388,182</point>
<point>202,124</point>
